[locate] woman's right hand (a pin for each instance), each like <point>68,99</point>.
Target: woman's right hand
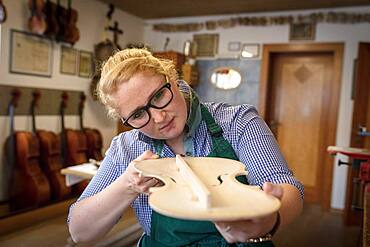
<point>138,184</point>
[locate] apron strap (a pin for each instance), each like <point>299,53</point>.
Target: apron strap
<point>220,146</point>
<point>158,146</point>
<point>212,126</point>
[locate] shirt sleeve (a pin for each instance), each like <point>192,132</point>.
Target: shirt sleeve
<point>258,149</point>
<point>105,175</point>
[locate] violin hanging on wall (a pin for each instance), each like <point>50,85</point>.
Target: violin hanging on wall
<point>37,23</point>
<point>72,33</point>
<point>50,11</point>
<point>93,136</point>
<point>74,146</point>
<point>50,159</point>
<point>3,14</point>
<point>61,17</point>
<point>29,186</point>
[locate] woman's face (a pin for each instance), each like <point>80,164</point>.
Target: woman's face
<point>167,123</point>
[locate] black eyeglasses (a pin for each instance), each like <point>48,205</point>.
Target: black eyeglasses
<point>141,117</point>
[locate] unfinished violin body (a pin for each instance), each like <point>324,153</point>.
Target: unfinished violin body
<point>204,188</point>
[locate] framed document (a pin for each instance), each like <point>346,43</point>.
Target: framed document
<point>207,44</point>
<point>234,46</point>
<point>85,68</point>
<point>30,54</point>
<point>250,50</point>
<point>302,31</point>
<point>68,60</point>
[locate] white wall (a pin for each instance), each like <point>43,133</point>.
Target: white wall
<point>91,20</point>
<point>349,34</point>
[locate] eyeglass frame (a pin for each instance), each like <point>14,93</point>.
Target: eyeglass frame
<point>149,105</point>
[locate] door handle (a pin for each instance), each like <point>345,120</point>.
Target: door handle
<point>362,131</point>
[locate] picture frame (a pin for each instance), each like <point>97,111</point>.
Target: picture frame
<point>234,46</point>
<point>85,65</point>
<point>207,44</point>
<point>30,54</point>
<point>302,31</point>
<point>68,60</point>
<point>250,50</point>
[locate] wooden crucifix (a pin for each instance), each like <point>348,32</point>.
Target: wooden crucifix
<point>116,31</point>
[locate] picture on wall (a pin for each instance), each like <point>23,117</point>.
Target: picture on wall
<point>207,44</point>
<point>234,46</point>
<point>85,64</point>
<point>302,31</point>
<point>68,60</point>
<point>30,54</point>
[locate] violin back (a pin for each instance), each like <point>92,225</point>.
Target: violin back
<point>94,144</point>
<point>37,23</point>
<point>76,147</point>
<point>51,163</point>
<point>76,153</point>
<point>229,198</point>
<point>72,32</point>
<point>30,187</point>
<point>50,10</point>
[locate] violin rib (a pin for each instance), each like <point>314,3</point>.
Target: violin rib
<point>202,194</point>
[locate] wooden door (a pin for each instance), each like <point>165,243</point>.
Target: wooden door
<point>298,118</point>
<point>360,117</point>
<point>299,100</point>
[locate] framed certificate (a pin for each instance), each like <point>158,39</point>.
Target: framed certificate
<point>207,44</point>
<point>30,54</point>
<point>68,60</point>
<point>302,31</point>
<point>85,68</point>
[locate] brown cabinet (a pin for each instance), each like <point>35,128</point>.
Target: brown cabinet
<point>189,73</point>
<point>186,71</point>
<point>176,57</point>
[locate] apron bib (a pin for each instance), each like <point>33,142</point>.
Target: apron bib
<point>168,231</point>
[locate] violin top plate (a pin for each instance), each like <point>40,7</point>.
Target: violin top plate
<point>229,198</point>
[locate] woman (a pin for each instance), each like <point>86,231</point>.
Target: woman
<point>167,119</point>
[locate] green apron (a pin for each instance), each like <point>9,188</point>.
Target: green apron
<point>168,231</point>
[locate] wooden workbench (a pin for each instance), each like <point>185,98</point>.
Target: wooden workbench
<point>128,228</point>
<point>366,226</point>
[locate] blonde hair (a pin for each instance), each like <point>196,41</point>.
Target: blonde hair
<point>122,66</point>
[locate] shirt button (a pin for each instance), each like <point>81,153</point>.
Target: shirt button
<point>188,153</point>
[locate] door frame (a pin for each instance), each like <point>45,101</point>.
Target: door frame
<point>336,50</point>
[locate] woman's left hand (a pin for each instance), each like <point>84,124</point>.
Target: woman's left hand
<point>242,230</point>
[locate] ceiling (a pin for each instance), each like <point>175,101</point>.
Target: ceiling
<point>152,9</point>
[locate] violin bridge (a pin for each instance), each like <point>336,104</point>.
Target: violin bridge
<point>202,194</point>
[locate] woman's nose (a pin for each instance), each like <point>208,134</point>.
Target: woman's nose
<point>158,115</point>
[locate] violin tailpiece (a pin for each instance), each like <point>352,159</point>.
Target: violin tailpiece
<point>202,194</point>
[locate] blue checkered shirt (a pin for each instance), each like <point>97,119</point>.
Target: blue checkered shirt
<point>252,140</point>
